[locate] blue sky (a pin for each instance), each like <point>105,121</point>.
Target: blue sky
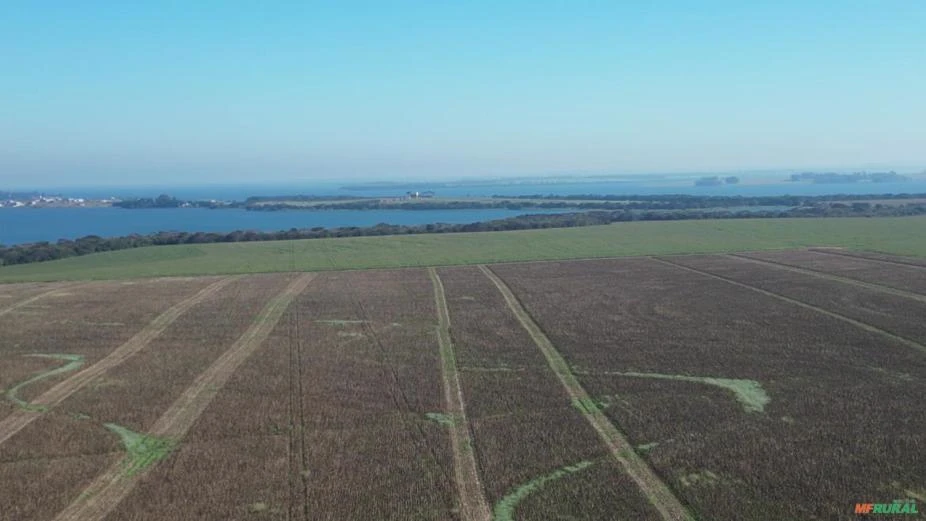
<point>184,92</point>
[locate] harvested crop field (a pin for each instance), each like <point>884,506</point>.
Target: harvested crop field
<point>776,385</point>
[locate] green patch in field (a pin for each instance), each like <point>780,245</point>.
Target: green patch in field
<point>73,363</point>
<point>588,405</point>
<point>89,323</point>
<point>646,447</point>
<point>498,369</point>
<point>504,509</point>
<point>441,418</point>
<point>703,478</point>
<point>351,334</point>
<point>142,450</point>
<point>260,506</point>
<point>80,416</point>
<point>340,322</point>
<point>749,393</point>
<point>706,478</point>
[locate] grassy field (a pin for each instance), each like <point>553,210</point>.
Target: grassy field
<point>903,236</point>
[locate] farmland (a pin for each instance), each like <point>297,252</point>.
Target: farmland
<point>751,386</point>
<point>897,236</point>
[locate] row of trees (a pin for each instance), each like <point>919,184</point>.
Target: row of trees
<point>45,251</point>
<point>522,202</point>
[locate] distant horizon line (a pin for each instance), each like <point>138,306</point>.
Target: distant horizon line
<point>404,178</point>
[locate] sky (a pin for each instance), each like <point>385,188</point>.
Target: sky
<point>120,93</point>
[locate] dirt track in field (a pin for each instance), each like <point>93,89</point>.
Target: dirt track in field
<point>659,494</point>
<point>868,327</point>
<point>836,278</point>
<point>30,300</point>
<point>101,496</point>
<point>897,262</point>
<point>19,419</point>
<point>473,504</point>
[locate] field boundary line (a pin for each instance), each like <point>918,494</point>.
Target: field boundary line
<point>111,487</point>
<point>867,327</point>
<point>651,485</point>
<point>473,504</point>
<point>834,278</point>
<point>33,298</point>
<point>19,419</point>
<point>859,257</point>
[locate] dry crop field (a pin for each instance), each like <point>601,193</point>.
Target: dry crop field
<point>762,386</point>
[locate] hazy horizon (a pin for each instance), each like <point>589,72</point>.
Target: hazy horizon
<point>113,94</point>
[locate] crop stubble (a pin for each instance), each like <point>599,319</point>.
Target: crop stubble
<point>840,395</point>
<point>353,443</point>
<point>110,488</point>
<point>903,276</point>
<point>879,307</point>
<point>523,422</point>
<point>134,393</point>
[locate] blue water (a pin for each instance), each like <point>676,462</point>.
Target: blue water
<point>22,225</point>
<point>241,192</point>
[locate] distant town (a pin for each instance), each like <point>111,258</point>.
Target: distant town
<point>39,200</point>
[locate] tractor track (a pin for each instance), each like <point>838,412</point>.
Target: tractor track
<point>34,298</point>
<point>19,419</point>
<point>859,257</point>
<point>473,503</point>
<point>862,325</point>
<point>829,276</point>
<point>111,487</point>
<point>650,484</point>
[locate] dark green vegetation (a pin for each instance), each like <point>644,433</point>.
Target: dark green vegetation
<point>585,201</point>
<point>754,386</point>
<point>901,236</point>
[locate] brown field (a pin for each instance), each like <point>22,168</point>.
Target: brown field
<point>12,295</point>
<point>783,385</point>
<point>913,261</point>
<point>894,313</point>
<point>522,420</point>
<point>89,320</point>
<point>898,275</point>
<point>840,395</point>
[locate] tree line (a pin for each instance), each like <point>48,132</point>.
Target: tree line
<point>521,202</point>
<point>46,251</point>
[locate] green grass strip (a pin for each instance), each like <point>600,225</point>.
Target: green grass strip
<point>73,363</point>
<point>444,419</point>
<point>142,450</point>
<point>749,393</point>
<point>504,509</point>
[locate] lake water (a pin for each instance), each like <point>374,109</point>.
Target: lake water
<point>22,225</point>
<point>241,192</point>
